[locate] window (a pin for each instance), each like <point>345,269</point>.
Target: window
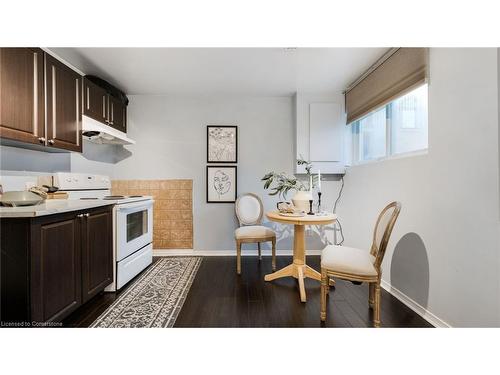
<point>397,128</point>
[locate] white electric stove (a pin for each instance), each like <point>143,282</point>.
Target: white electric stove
<point>132,222</point>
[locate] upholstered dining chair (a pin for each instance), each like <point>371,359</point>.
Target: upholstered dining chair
<point>249,211</point>
<point>358,265</point>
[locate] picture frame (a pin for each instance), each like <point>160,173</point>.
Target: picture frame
<point>222,144</point>
<point>222,183</point>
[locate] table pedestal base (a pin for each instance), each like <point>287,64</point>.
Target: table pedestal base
<point>299,272</point>
<point>299,269</point>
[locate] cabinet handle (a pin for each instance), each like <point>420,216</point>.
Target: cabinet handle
<point>86,215</point>
<point>79,216</point>
<point>41,139</point>
<point>51,141</point>
<point>77,84</point>
<point>88,98</point>
<point>35,93</point>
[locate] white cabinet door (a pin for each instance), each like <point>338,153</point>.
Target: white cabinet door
<point>320,132</point>
<point>325,134</point>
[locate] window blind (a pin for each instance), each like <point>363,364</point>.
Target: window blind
<point>403,70</point>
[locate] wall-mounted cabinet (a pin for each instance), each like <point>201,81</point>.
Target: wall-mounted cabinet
<point>104,107</point>
<point>40,100</point>
<point>22,103</point>
<point>117,115</point>
<point>320,132</point>
<point>64,106</point>
<point>95,101</point>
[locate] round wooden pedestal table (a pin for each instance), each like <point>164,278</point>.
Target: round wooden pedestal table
<point>299,269</point>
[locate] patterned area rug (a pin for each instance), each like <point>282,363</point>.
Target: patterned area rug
<point>156,298</point>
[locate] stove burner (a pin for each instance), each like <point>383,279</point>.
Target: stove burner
<point>113,197</point>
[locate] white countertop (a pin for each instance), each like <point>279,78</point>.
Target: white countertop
<point>52,206</point>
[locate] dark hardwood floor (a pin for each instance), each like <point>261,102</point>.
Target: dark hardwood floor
<point>220,298</point>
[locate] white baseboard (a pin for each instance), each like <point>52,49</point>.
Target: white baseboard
<point>223,253</point>
<point>420,310</point>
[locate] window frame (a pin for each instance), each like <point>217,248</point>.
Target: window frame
<point>388,137</point>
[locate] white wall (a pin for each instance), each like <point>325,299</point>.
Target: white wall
<point>171,143</point>
<point>445,249</point>
<point>20,159</point>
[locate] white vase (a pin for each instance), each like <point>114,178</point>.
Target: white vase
<point>301,200</point>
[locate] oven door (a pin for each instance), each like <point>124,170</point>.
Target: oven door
<point>134,227</point>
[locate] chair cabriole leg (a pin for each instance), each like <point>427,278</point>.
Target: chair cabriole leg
<point>376,315</point>
<point>371,294</point>
<point>238,257</point>
<point>274,255</point>
<point>324,291</point>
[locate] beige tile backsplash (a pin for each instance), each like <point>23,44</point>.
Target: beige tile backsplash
<point>173,209</point>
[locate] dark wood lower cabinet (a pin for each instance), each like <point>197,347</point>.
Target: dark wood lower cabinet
<point>52,264</point>
<point>97,262</point>
<point>55,272</point>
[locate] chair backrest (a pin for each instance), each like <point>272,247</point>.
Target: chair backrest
<point>249,209</point>
<point>383,229</point>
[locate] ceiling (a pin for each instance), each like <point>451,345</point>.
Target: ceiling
<point>234,71</point>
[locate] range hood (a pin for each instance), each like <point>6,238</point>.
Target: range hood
<point>95,132</point>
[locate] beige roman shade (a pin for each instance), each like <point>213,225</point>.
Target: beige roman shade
<point>399,71</point>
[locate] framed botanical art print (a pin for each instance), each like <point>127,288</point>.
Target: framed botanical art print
<point>221,184</point>
<point>222,144</point>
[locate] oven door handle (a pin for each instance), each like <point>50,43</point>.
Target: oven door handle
<point>131,206</point>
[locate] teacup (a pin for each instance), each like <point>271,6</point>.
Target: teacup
<point>284,206</point>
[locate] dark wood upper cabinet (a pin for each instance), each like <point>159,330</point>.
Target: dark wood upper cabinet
<point>22,107</point>
<point>64,105</point>
<point>42,101</point>
<point>104,107</point>
<point>97,260</point>
<point>95,101</point>
<point>117,114</point>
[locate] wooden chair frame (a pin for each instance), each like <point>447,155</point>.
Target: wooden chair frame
<point>378,251</point>
<point>257,240</point>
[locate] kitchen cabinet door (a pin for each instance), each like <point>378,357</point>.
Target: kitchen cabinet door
<point>22,95</point>
<point>117,114</point>
<point>97,252</point>
<point>56,269</point>
<point>95,101</point>
<point>64,106</point>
